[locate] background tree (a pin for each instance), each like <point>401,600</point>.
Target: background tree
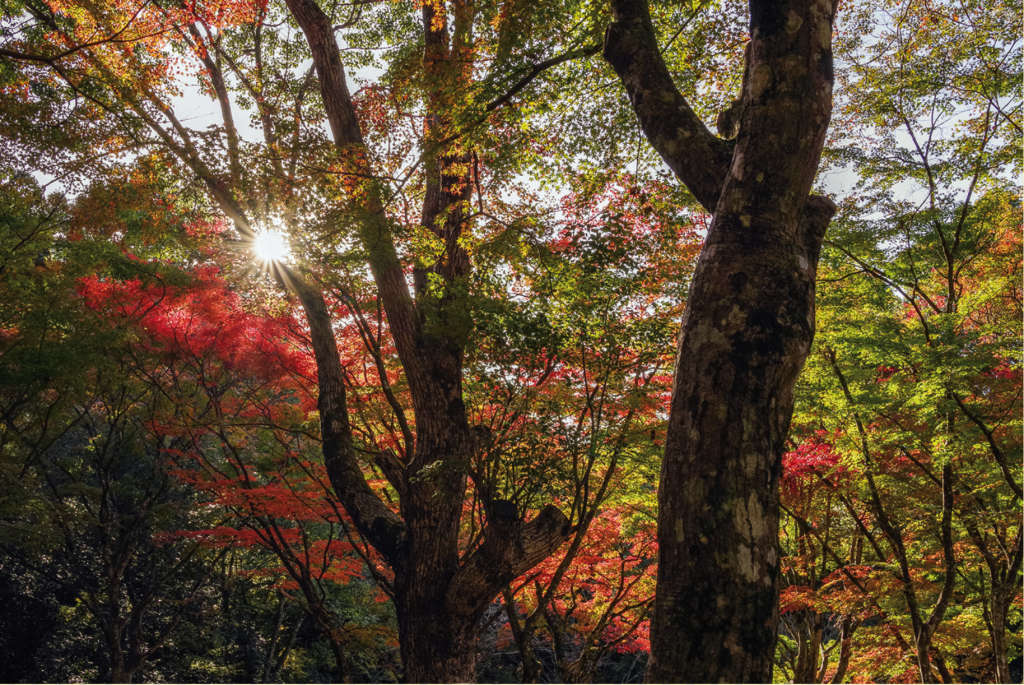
<point>594,423</point>
<point>922,366</point>
<point>86,487</point>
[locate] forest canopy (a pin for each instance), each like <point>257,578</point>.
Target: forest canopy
<point>464,341</point>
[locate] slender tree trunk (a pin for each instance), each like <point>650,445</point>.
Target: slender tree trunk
<point>119,672</point>
<point>848,627</point>
<point>271,655</point>
<point>522,633</point>
<point>340,662</point>
<point>276,661</point>
<point>1004,578</point>
<point>940,663</point>
<point>1000,604</point>
<point>809,640</point>
<point>924,664</point>
<point>532,668</point>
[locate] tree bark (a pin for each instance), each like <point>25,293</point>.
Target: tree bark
<point>119,671</point>
<point>1004,577</point>
<point>523,634</point>
<point>848,627</point>
<point>746,332</point>
<point>999,606</point>
<point>439,598</point>
<point>809,635</point>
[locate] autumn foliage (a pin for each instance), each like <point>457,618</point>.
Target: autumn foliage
<point>497,228</point>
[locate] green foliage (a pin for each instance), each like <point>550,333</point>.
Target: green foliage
<point>581,254</point>
<point>916,371</point>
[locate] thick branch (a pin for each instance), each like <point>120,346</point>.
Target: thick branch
<point>378,524</point>
<point>949,557</point>
<point>341,115</point>
<point>374,228</point>
<point>510,549</point>
<point>699,158</point>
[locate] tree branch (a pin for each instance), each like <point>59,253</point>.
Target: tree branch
<point>510,549</point>
<point>699,158</point>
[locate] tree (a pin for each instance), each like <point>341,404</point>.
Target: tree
<point>103,497</point>
<point>599,407</point>
<point>746,331</point>
<point>440,589</point>
<point>920,355</point>
<point>883,437</point>
<point>86,485</point>
<point>824,579</point>
<point>235,431</point>
<point>602,608</point>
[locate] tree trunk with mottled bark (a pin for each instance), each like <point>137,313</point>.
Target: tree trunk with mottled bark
<point>746,331</point>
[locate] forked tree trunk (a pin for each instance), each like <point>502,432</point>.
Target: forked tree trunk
<point>746,332</point>
<point>809,634</point>
<point>848,627</point>
<point>1004,577</point>
<point>439,597</point>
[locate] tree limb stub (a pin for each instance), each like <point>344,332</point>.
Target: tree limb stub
<point>510,549</point>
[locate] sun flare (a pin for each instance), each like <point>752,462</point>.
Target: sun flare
<point>271,246</point>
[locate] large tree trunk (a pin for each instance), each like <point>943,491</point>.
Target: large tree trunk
<point>746,332</point>
<point>439,597</point>
<point>436,647</point>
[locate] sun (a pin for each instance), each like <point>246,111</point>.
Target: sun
<point>271,246</point>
